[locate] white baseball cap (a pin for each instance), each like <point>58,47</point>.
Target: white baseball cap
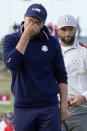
<point>66,20</point>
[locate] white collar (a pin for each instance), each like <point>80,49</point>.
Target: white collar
<point>66,48</point>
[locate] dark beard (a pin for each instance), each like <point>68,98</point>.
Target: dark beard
<point>69,41</point>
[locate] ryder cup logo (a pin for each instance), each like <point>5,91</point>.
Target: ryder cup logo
<point>67,20</point>
<point>44,48</point>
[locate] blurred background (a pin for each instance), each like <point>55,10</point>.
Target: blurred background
<point>12,14</point>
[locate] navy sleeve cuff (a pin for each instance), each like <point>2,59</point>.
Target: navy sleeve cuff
<point>14,59</point>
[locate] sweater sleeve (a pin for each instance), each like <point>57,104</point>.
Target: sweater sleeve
<point>12,57</point>
<point>59,66</point>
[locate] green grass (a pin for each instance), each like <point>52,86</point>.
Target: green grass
<point>5,89</point>
<point>6,108</point>
<point>5,86</point>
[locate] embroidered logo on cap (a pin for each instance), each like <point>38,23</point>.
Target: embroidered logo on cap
<point>67,20</point>
<point>36,9</point>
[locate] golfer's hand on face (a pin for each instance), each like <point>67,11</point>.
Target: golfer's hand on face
<point>32,29</point>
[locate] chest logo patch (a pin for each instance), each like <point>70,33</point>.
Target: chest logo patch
<point>44,48</point>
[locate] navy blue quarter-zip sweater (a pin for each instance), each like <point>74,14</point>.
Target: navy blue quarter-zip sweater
<point>37,73</point>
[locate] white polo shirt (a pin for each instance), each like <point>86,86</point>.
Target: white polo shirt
<point>75,58</point>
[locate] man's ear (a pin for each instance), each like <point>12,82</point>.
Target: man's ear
<point>42,24</point>
<point>24,16</point>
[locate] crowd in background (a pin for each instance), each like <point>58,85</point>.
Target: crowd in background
<point>6,121</point>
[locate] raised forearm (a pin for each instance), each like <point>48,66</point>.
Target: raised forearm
<point>23,42</point>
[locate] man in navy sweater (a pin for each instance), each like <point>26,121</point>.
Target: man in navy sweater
<point>38,73</point>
